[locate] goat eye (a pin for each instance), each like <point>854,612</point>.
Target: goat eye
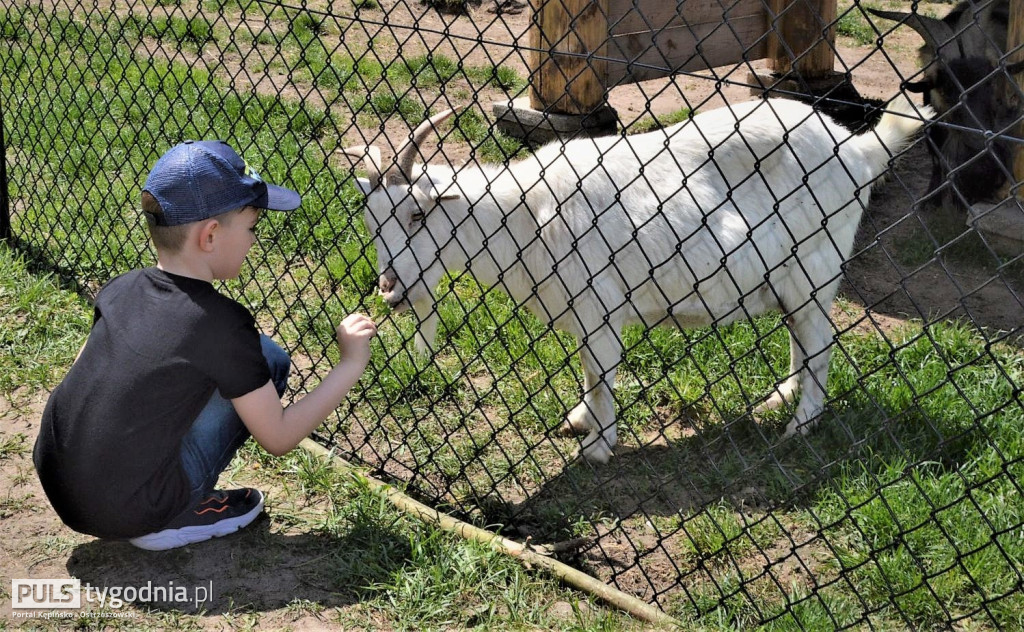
<point>417,216</point>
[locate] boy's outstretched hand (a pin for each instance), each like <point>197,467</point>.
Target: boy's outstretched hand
<point>354,333</point>
<point>280,429</point>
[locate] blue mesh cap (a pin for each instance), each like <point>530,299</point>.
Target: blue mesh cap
<point>198,179</point>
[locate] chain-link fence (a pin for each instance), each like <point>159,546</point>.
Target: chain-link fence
<point>901,507</point>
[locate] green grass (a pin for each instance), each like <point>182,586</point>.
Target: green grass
<point>411,573</point>
<point>191,33</point>
<point>903,507</point>
<point>941,234</point>
<point>43,327</point>
<point>651,123</point>
<point>924,507</point>
<point>308,24</point>
<point>13,446</point>
<point>853,24</point>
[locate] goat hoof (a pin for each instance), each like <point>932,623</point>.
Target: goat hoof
<point>573,427</point>
<point>785,394</point>
<point>566,429</point>
<point>773,402</point>
<point>796,427</point>
<point>597,452</point>
<point>576,422</point>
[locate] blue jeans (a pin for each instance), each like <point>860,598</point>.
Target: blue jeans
<point>218,432</point>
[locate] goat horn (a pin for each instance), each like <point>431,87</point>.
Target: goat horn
<point>407,152</point>
<point>935,32</point>
<point>371,158</point>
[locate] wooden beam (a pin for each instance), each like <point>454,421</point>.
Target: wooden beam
<point>804,37</point>
<point>567,84</point>
<point>684,48</point>
<point>636,16</point>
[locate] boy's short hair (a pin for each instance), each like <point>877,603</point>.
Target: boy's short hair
<point>172,238</point>
<point>165,238</point>
<point>197,180</point>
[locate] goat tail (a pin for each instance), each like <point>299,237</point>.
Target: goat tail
<point>892,134</point>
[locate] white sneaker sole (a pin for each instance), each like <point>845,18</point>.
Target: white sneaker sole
<point>174,538</point>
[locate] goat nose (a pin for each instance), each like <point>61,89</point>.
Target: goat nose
<point>386,282</point>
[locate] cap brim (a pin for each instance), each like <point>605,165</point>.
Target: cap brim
<point>279,199</point>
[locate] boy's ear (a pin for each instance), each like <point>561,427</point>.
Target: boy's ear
<point>443,193</point>
<point>205,234</point>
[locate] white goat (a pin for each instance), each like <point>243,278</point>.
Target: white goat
<point>738,211</point>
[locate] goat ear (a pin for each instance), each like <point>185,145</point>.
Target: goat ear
<point>371,159</point>
<point>918,86</point>
<point>364,185</point>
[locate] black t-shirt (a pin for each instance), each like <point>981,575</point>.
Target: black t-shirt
<point>109,447</point>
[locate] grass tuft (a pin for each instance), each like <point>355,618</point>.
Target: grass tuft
<point>44,327</point>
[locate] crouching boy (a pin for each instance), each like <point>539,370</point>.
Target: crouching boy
<point>174,376</point>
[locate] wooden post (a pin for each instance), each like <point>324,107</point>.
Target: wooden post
<point>567,92</point>
<point>1002,224</point>
<point>1015,43</point>
<point>561,84</point>
<point>798,29</point>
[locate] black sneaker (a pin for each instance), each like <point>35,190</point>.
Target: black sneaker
<point>218,514</point>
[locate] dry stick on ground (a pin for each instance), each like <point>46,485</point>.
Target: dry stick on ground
<point>628,603</point>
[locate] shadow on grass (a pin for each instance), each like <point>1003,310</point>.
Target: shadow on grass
<point>736,518</point>
<point>916,258</point>
<point>746,464</point>
<point>44,262</point>
<point>257,569</point>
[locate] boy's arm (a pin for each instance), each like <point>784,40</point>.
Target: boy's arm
<point>279,429</point>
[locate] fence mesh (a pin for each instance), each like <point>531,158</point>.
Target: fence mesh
<point>900,508</point>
